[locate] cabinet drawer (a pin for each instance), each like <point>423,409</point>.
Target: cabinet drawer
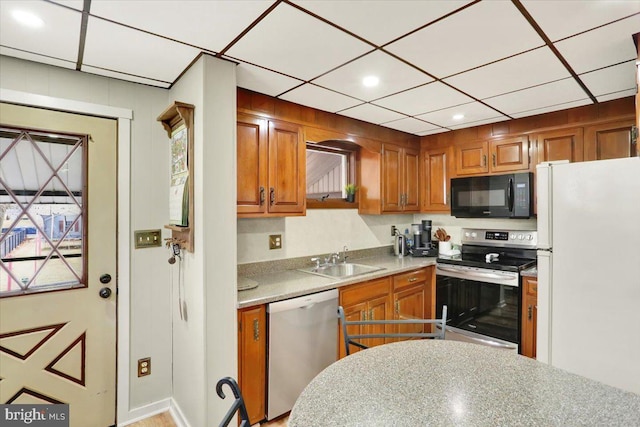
<point>531,286</point>
<point>409,278</point>
<point>360,292</point>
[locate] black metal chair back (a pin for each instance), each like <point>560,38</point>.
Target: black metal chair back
<point>349,339</point>
<point>237,405</point>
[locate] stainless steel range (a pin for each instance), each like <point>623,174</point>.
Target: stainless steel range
<point>481,286</point>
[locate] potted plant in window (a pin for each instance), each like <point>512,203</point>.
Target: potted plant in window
<point>350,189</point>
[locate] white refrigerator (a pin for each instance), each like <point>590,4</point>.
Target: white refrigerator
<point>589,269</point>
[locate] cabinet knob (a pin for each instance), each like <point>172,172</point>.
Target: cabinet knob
<point>256,330</point>
<point>261,195</point>
<point>272,196</point>
<point>530,312</point>
<point>494,159</point>
<point>484,160</point>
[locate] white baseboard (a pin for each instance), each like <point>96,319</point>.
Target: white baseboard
<point>178,416</point>
<point>146,411</point>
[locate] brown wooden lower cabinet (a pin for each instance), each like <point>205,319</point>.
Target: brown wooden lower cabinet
<point>252,360</point>
<point>529,316</point>
<point>402,296</point>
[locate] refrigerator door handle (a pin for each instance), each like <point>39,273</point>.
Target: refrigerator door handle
<point>510,195</point>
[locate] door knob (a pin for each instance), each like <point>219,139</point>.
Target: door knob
<point>105,292</point>
<point>105,278</point>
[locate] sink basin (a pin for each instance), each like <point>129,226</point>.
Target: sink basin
<point>341,270</point>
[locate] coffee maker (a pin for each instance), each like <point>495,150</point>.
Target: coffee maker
<point>422,244</point>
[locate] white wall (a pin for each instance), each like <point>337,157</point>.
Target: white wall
<point>328,230</point>
<point>150,326</point>
<point>205,340</point>
<point>320,231</point>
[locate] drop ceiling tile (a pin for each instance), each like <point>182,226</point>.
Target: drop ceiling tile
<point>264,81</point>
<point>616,95</point>
<point>411,125</point>
<point>297,44</point>
<point>37,58</point>
<point>479,122</point>
<point>394,76</point>
<point>430,97</point>
<point>433,131</point>
<point>127,77</point>
<point>511,74</point>
<point>601,47</point>
<point>74,4</point>
<point>380,21</point>
<point>563,18</point>
<point>612,79</point>
<point>125,50</point>
<point>551,108</point>
<point>472,112</point>
<point>320,98</point>
<point>477,35</point>
<point>207,24</point>
<point>371,113</point>
<point>48,39</point>
<point>543,96</point>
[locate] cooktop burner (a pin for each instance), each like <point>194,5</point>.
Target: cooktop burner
<point>504,250</point>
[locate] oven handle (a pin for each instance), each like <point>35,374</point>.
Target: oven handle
<point>476,274</point>
<point>484,341</point>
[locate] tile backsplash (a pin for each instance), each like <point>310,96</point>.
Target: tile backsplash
<point>329,230</point>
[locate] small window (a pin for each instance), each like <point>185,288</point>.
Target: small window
<point>41,211</point>
<point>331,166</point>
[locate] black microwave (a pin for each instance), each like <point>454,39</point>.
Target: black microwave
<point>495,196</point>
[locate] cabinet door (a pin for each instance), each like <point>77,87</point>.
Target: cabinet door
<point>252,360</point>
<point>377,309</point>
<point>251,164</point>
<point>529,316</point>
<point>409,303</point>
<point>472,158</point>
<point>510,154</point>
<point>411,187</point>
<point>287,167</point>
<point>609,141</point>
<point>435,170</point>
<point>563,144</point>
<point>354,312</point>
<point>392,189</point>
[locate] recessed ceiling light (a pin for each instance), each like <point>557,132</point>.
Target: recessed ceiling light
<point>370,81</point>
<point>27,18</point>
<point>458,116</point>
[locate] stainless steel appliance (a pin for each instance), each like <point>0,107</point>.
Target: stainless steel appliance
<point>303,340</point>
<point>589,269</point>
<point>482,286</point>
<point>422,244</point>
<point>495,196</point>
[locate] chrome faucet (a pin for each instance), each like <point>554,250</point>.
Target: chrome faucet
<point>334,257</point>
<point>344,254</point>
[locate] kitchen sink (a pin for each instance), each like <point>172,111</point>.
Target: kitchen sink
<point>341,270</point>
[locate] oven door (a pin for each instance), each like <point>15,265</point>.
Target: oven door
<point>483,305</point>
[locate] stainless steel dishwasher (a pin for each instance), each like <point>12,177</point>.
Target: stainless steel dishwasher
<point>303,340</point>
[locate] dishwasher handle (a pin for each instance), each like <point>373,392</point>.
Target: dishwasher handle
<point>305,302</point>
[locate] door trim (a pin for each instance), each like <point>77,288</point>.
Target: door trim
<point>124,117</point>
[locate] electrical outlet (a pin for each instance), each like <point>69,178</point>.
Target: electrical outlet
<point>393,230</point>
<point>144,367</point>
<point>275,241</point>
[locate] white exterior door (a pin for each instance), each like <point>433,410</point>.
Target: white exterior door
<point>57,319</point>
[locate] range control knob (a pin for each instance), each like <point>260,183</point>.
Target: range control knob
<point>521,236</point>
<point>529,237</point>
<point>512,236</point>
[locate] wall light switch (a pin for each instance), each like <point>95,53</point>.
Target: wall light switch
<point>275,241</point>
<point>147,238</point>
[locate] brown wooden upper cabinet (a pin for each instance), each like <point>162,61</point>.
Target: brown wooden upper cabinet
<point>562,144</point>
<point>271,167</point>
<point>494,156</point>
<point>436,170</point>
<point>400,185</point>
<point>609,141</point>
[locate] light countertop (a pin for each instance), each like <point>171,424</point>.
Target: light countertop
<point>441,382</point>
<point>293,283</point>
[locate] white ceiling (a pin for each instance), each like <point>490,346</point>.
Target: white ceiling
<point>490,60</point>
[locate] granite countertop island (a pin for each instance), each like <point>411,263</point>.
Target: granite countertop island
<point>440,382</point>
<point>280,285</point>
